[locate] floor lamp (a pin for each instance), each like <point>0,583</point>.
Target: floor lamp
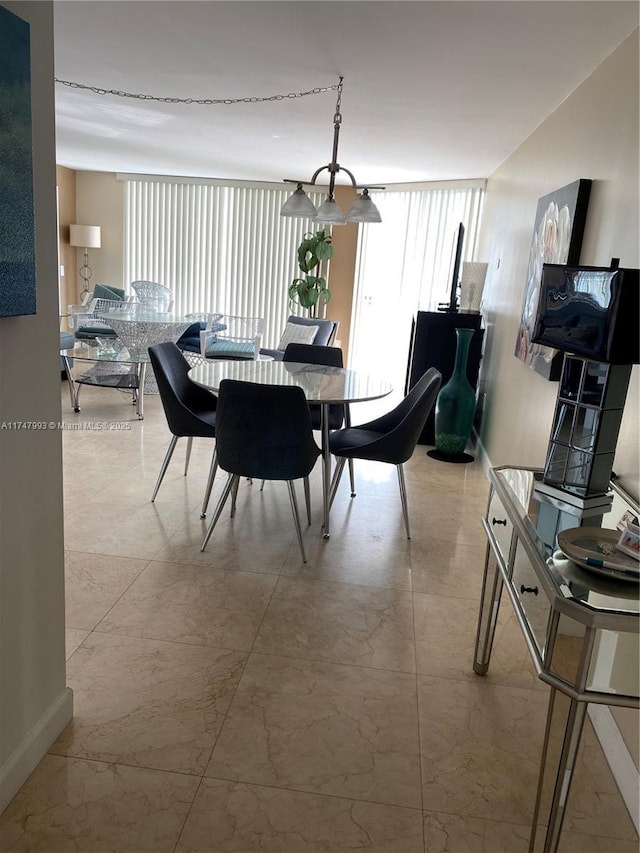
<point>85,237</point>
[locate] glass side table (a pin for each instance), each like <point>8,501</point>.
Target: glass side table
<point>580,626</point>
<point>111,366</point>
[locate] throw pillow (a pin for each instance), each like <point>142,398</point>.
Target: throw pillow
<point>296,334</point>
<point>104,291</point>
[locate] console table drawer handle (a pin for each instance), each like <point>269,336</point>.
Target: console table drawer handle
<point>499,521</point>
<point>533,589</point>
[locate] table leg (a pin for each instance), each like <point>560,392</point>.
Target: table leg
<point>326,470</point>
<point>565,721</point>
<point>488,617</point>
<point>74,388</point>
<point>142,369</point>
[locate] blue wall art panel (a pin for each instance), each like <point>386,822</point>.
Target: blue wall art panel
<point>17,226</point>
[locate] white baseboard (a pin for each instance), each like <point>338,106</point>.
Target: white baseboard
<point>618,757</point>
<point>481,453</point>
<point>24,759</point>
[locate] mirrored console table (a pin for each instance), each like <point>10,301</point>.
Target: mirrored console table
<point>580,626</point>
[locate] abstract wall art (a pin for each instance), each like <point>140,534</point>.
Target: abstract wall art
<point>17,224</point>
<point>557,239</point>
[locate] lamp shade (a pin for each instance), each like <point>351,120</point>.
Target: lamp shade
<point>363,210</point>
<point>298,205</point>
<point>85,236</point>
<point>330,213</point>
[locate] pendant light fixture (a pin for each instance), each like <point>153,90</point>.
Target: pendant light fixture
<point>300,205</point>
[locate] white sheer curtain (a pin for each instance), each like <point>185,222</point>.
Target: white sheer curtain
<point>219,247</point>
<point>404,264</point>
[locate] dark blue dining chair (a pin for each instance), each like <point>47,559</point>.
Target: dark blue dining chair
<point>391,438</point>
<point>338,414</point>
<point>189,409</point>
<point>263,432</point>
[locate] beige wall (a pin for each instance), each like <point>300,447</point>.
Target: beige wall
<point>34,702</point>
<point>99,201</point>
<point>342,270</point>
<point>593,134</point>
<point>69,281</point>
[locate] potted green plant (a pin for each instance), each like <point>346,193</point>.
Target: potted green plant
<point>310,290</point>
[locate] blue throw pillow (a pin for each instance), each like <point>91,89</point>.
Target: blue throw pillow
<point>104,291</point>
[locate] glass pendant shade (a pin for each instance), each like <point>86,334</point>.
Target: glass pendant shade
<point>364,210</point>
<point>330,213</point>
<point>299,205</point>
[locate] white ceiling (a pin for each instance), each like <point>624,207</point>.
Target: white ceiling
<point>432,90</point>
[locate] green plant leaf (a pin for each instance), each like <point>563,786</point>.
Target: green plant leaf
<point>324,251</point>
<point>308,291</point>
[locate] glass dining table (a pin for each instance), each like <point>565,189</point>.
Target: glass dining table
<point>320,383</point>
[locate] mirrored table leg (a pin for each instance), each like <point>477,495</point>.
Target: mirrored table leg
<point>565,721</point>
<point>488,617</point>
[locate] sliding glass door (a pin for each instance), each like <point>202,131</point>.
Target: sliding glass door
<point>404,265</point>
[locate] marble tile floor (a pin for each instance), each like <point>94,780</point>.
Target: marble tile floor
<point>239,700</point>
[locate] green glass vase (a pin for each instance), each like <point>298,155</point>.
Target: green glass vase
<point>456,403</point>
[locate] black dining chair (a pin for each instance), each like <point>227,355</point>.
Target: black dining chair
<point>391,438</point>
<point>338,414</point>
<point>189,409</point>
<point>263,432</point>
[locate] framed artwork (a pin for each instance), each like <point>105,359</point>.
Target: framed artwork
<point>17,222</point>
<point>557,239</point>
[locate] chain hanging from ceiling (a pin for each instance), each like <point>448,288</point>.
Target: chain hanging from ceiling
<point>97,90</point>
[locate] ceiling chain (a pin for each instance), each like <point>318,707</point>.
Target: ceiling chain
<point>318,90</point>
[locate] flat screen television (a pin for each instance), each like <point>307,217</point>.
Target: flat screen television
<point>456,257</point>
<point>590,311</point>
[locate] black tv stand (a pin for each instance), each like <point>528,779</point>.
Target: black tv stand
<point>433,344</point>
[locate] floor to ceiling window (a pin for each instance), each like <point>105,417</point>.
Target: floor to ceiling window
<point>224,247</point>
<point>405,265</point>
<point>219,247</point>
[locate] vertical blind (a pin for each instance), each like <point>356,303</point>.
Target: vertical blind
<point>222,247</point>
<point>218,247</point>
<point>404,264</point>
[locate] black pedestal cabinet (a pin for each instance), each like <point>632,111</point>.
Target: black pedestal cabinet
<point>433,344</point>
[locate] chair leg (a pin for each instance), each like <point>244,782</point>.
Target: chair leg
<point>335,480</point>
<point>296,517</point>
<point>232,479</point>
<point>352,479</point>
<point>212,475</point>
<point>165,465</point>
<point>307,499</point>
<point>262,485</point>
<point>234,495</point>
<point>188,457</point>
<point>403,498</point>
